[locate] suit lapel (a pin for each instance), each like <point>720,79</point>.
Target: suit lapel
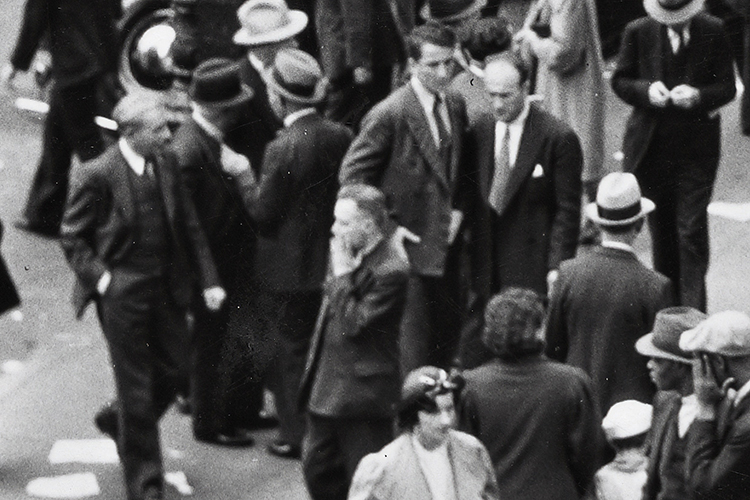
<point>166,184</point>
<point>420,129</point>
<point>530,144</point>
<point>457,131</point>
<point>122,187</point>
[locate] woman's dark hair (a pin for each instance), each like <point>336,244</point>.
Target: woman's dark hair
<point>419,391</point>
<point>431,32</point>
<point>489,35</point>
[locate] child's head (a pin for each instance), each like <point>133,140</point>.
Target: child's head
<point>627,423</point>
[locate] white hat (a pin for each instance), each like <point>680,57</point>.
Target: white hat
<point>450,11</point>
<point>297,76</point>
<point>627,419</point>
<point>618,201</point>
<point>672,11</point>
<point>267,21</point>
<point>726,333</point>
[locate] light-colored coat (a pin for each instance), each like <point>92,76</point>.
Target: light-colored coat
<point>394,473</point>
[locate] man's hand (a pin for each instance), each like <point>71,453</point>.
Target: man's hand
<point>362,76</point>
<point>342,260</point>
<point>706,386</point>
<point>8,76</point>
<point>234,163</point>
<point>685,96</point>
<point>214,298</point>
<point>658,94</point>
<point>400,237</point>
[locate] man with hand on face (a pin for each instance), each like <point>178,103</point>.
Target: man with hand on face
<point>410,146</point>
<point>351,382</point>
<point>132,237</point>
<point>718,448</point>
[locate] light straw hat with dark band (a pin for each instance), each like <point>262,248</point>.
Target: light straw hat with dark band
<point>268,21</point>
<point>618,201</point>
<point>448,11</point>
<point>297,76</point>
<point>673,11</point>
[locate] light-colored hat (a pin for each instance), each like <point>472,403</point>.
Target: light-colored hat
<point>664,341</point>
<point>673,11</point>
<point>267,21</point>
<point>618,201</point>
<point>726,333</point>
<point>217,83</point>
<point>450,11</point>
<point>297,76</point>
<point>627,419</point>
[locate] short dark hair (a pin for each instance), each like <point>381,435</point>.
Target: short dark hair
<point>516,60</point>
<point>489,35</point>
<point>369,200</point>
<point>514,324</point>
<point>431,32</point>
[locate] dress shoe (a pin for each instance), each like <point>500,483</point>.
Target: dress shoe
<point>284,450</point>
<point>240,437</point>
<point>106,421</point>
<point>39,230</point>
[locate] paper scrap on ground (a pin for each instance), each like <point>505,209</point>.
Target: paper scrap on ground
<point>79,485</point>
<point>734,211</point>
<point>84,451</point>
<point>179,481</point>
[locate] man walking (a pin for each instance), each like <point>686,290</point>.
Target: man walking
<point>133,240</point>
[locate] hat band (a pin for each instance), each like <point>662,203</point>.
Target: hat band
<point>447,9</point>
<point>297,89</point>
<point>615,214</point>
<point>217,90</point>
<point>677,6</point>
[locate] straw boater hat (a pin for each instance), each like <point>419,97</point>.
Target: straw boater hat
<point>673,11</point>
<point>450,11</point>
<point>267,21</point>
<point>664,341</point>
<point>618,201</point>
<point>297,76</point>
<point>217,83</point>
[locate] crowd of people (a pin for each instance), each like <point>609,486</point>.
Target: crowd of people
<point>414,239</point>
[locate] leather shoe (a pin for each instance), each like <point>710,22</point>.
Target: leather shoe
<point>106,421</point>
<point>240,437</point>
<point>39,230</point>
<point>284,450</point>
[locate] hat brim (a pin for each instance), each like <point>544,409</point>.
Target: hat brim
<point>297,22</point>
<point>645,347</point>
<point>426,13</point>
<point>245,95</point>
<point>591,211</point>
<point>321,91</point>
<point>669,17</point>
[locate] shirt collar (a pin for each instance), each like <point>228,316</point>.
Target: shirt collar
<point>293,117</point>
<point>426,98</point>
<point>618,245</point>
<point>686,415</point>
<point>674,37</point>
<point>136,162</point>
<point>256,63</point>
<point>742,393</point>
<point>207,126</point>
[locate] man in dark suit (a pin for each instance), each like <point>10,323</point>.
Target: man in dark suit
<point>718,448</point>
<point>533,414</point>
<point>351,381</point>
<point>604,300</point>
<point>134,242</point>
<point>82,40</point>
<point>675,68</point>
<point>292,206</point>
<point>218,388</point>
<point>526,208</point>
<point>410,146</point>
<point>674,404</point>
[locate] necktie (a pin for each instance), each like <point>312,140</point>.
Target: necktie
<point>148,169</point>
<point>444,136</point>
<point>502,173</point>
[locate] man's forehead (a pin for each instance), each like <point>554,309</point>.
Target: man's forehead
<point>501,75</point>
<point>435,53</point>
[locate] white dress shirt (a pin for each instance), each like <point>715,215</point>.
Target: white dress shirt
<point>516,132</point>
<point>136,162</point>
<point>674,38</point>
<point>427,100</point>
<point>293,117</point>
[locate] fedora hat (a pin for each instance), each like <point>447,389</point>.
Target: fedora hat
<point>297,76</point>
<point>216,82</point>
<point>672,11</point>
<point>447,11</point>
<point>618,201</point>
<point>267,21</point>
<point>664,341</point>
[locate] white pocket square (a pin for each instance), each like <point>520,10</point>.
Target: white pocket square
<point>538,171</point>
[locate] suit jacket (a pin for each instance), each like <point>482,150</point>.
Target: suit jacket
<point>643,52</point>
<point>352,367</point>
<point>81,34</point>
<point>293,203</point>
<point>217,201</point>
<point>534,415</point>
<point>601,304</point>
<point>395,152</point>
<point>100,218</point>
<point>660,441</point>
<point>394,473</point>
<point>8,294</point>
<point>538,228</point>
<point>258,124</point>
<point>718,455</point>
